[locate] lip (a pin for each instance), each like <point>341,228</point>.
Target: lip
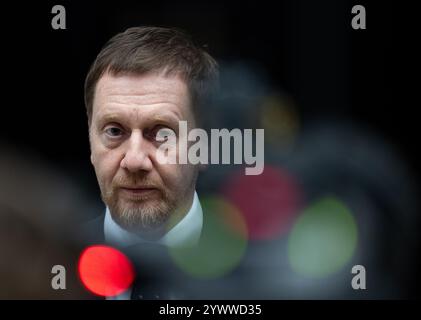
<point>138,190</point>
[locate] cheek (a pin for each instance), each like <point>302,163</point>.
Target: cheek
<point>170,174</point>
<point>180,176</point>
<point>106,164</point>
<point>189,172</point>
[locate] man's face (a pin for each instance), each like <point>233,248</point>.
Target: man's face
<point>143,195</point>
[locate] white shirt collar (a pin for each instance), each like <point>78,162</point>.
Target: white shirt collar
<point>187,231</point>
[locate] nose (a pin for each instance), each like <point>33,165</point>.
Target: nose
<point>136,157</point>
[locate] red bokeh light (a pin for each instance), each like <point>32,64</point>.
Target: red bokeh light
<point>269,201</point>
<point>105,271</point>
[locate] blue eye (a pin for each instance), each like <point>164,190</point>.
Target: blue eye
<point>163,134</point>
<point>114,131</point>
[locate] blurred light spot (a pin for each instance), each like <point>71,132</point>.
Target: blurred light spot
<point>268,201</point>
<point>323,239</point>
<point>279,119</point>
<point>222,244</point>
<point>105,271</point>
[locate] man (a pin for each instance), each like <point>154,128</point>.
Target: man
<point>144,80</point>
<point>142,83</point>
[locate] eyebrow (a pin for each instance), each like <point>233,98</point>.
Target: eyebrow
<point>105,118</point>
<point>167,118</point>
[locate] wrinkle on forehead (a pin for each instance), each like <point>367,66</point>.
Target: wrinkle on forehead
<point>145,89</point>
<point>146,93</point>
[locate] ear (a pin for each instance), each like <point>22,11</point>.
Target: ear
<point>90,146</point>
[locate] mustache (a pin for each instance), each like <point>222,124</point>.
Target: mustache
<point>134,181</point>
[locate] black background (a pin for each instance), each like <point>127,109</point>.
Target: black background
<point>308,49</point>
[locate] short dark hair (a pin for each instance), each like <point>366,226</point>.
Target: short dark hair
<point>141,50</point>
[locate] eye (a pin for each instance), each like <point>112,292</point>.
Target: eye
<point>162,134</point>
<point>113,131</point>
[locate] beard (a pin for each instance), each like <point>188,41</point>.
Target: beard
<point>144,214</point>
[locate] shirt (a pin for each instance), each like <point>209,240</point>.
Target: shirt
<point>186,231</point>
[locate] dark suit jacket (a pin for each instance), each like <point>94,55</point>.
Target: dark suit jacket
<point>158,275</point>
<point>92,232</point>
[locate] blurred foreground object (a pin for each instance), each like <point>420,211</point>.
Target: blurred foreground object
<point>39,211</point>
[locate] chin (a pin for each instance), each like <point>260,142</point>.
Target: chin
<point>137,217</point>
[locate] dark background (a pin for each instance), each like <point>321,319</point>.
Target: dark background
<point>307,48</point>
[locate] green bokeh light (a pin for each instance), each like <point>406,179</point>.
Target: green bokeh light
<point>323,239</point>
<point>222,245</point>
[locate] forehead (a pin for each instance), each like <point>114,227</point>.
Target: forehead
<point>149,93</point>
